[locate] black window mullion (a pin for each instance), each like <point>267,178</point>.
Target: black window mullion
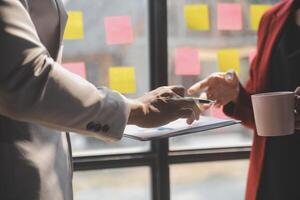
<point>159,77</point>
<point>98,162</point>
<point>160,172</point>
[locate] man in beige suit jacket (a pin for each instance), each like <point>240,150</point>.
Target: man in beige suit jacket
<point>39,100</point>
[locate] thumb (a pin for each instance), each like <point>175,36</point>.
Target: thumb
<point>185,113</point>
<point>188,114</point>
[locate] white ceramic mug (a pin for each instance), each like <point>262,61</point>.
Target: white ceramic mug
<point>274,113</point>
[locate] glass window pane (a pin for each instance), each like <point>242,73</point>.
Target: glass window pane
<point>196,36</point>
<point>115,34</point>
<point>224,180</point>
<point>115,184</point>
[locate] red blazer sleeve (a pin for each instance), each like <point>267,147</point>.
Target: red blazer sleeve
<point>242,110</point>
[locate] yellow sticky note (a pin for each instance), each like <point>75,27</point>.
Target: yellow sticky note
<point>256,12</point>
<point>74,29</point>
<point>229,59</point>
<point>122,79</point>
<point>197,16</point>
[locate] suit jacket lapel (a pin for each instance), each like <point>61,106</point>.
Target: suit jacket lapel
<point>62,18</point>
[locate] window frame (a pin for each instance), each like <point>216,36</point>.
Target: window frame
<point>159,158</point>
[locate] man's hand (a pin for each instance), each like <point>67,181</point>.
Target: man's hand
<point>297,108</point>
<point>162,106</point>
<point>217,87</point>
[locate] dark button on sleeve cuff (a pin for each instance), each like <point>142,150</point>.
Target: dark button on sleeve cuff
<point>105,128</point>
<point>90,126</point>
<point>98,127</point>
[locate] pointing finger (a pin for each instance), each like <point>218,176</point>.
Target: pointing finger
<point>198,87</point>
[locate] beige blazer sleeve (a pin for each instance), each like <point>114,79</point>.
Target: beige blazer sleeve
<point>34,88</point>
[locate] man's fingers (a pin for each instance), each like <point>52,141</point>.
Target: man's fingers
<point>190,120</point>
<point>185,103</point>
<point>188,114</point>
<point>185,113</point>
<point>154,109</point>
<point>168,93</point>
<point>189,104</point>
<point>198,87</point>
<point>178,89</point>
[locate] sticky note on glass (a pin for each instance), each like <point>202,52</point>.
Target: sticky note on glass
<point>217,112</point>
<point>252,55</point>
<point>76,68</point>
<point>229,59</point>
<point>187,61</point>
<point>74,29</point>
<point>256,13</point>
<point>122,79</point>
<point>229,16</point>
<point>197,16</point>
<point>118,30</point>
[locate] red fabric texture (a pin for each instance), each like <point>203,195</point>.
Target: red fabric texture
<point>270,26</point>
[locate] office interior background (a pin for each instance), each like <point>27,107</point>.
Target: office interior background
<point>157,38</point>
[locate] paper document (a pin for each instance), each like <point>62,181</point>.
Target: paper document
<point>176,128</point>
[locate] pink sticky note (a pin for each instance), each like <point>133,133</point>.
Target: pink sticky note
<point>76,68</point>
<point>187,61</point>
<point>252,54</point>
<point>217,112</point>
<point>229,16</point>
<point>118,30</point>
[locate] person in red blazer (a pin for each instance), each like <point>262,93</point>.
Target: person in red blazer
<point>274,172</point>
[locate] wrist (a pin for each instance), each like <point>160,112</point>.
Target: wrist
<point>233,80</point>
<point>237,93</point>
<point>136,111</point>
